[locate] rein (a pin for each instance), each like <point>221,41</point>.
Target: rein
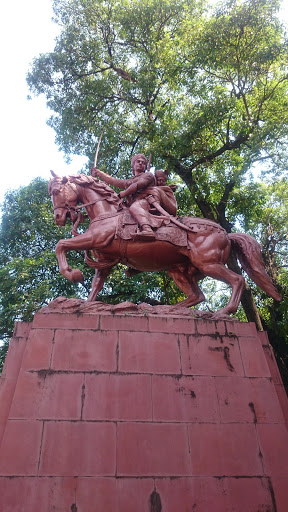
<point>89,204</point>
<point>76,209</point>
<point>80,206</point>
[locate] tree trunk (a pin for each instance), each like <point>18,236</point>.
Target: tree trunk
<point>247,299</point>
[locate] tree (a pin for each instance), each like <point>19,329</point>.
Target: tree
<point>202,90</point>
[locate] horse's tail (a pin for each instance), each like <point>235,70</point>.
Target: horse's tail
<point>249,254</point>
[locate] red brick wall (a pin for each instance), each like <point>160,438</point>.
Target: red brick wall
<point>124,413</point>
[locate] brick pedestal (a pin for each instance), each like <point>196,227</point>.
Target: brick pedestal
<point>130,413</point>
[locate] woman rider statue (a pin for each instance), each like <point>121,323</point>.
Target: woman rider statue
<point>142,192</point>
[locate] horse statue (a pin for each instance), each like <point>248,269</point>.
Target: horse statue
<point>188,248</point>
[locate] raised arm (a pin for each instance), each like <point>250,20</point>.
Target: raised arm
<point>116,182</point>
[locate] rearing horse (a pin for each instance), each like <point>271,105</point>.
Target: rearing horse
<point>205,253</point>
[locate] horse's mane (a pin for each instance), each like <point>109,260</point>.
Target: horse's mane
<point>83,180</point>
<point>94,184</point>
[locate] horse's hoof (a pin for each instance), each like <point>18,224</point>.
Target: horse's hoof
<point>221,314</point>
<point>77,276</point>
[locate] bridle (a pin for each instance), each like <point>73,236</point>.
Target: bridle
<point>75,211</point>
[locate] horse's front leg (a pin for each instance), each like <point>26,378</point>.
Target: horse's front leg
<point>79,243</point>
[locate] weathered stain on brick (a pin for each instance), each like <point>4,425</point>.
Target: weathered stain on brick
<point>227,359</point>
<point>252,407</point>
<point>82,400</point>
<point>274,509</point>
<point>186,391</point>
<point>155,502</point>
<point>226,351</point>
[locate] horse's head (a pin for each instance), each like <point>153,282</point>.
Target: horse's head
<point>64,198</point>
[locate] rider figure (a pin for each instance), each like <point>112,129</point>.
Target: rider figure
<point>142,191</point>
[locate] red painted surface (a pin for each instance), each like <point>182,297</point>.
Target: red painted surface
<point>185,399</point>
<point>117,397</point>
<point>38,351</point>
<point>176,325</point>
<point>10,372</point>
<point>152,449</point>
<point>114,495</point>
<point>215,495</point>
<point>20,448</point>
<point>207,355</point>
<point>55,396</point>
<point>84,351</point>
<point>148,352</point>
<point>224,449</point>
<point>280,486</point>
<point>253,357</point>
<point>78,448</point>
<point>127,413</point>
<point>124,323</point>
<point>34,494</point>
<point>248,400</point>
<point>273,441</point>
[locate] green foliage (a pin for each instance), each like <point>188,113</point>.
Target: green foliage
<point>153,288</point>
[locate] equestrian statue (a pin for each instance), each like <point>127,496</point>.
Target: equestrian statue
<point>139,228</point>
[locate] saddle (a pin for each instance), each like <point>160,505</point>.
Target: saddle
<point>127,229</point>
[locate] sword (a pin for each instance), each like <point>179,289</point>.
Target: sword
<point>169,217</point>
<point>149,163</point>
<point>97,150</point>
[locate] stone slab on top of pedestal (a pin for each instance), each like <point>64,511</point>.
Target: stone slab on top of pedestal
<point>78,314</point>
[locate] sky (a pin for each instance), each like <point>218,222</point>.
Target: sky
<point>27,146</point>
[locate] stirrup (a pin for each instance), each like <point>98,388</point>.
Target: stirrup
<point>147,235</point>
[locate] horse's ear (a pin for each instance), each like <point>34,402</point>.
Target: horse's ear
<point>53,174</point>
<point>166,172</point>
<point>64,180</point>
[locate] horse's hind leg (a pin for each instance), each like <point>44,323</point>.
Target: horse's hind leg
<point>187,283</point>
<point>236,281</point>
<point>98,282</point>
